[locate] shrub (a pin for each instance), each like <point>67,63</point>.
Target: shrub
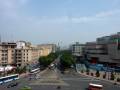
<point>92,74</point>
<point>104,76</point>
<point>82,71</point>
<point>112,76</point>
<point>97,73</point>
<point>87,71</point>
<point>118,79</point>
<point>26,88</point>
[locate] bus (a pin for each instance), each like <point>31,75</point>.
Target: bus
<point>9,78</point>
<point>34,71</point>
<point>95,86</point>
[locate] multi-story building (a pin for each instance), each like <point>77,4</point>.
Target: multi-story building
<point>46,49</point>
<point>77,49</point>
<point>104,50</point>
<point>7,55</point>
<point>25,54</point>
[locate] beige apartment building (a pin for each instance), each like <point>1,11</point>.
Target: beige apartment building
<point>7,56</point>
<point>46,49</point>
<point>25,54</point>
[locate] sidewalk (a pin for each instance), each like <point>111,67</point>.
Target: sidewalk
<point>23,75</point>
<point>99,78</point>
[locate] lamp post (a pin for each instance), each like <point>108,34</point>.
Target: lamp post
<point>4,72</point>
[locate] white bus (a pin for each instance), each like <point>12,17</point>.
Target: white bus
<point>34,71</point>
<point>9,78</point>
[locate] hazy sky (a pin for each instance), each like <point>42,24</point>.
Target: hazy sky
<point>53,21</point>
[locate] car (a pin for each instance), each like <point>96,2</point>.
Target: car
<point>95,86</point>
<point>12,84</point>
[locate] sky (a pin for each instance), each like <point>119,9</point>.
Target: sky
<point>58,21</point>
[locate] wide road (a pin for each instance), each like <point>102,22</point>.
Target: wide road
<point>53,78</point>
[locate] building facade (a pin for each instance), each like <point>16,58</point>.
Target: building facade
<point>26,54</point>
<point>77,49</point>
<point>105,50</point>
<point>23,53</point>
<point>46,49</point>
<point>7,50</point>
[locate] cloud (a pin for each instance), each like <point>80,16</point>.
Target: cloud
<point>83,19</point>
<point>67,19</point>
<point>96,17</point>
<point>42,27</point>
<point>10,8</point>
<point>107,13</point>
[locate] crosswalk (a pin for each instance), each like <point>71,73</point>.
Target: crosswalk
<point>80,79</point>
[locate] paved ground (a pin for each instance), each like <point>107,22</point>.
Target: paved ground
<point>51,79</point>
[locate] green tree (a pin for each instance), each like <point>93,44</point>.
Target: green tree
<point>20,70</point>
<point>67,59</point>
<point>47,60</point>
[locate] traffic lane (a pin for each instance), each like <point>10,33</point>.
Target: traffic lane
<point>72,75</point>
<point>109,86</point>
<point>7,85</point>
<point>2,87</point>
<point>55,87</point>
<point>17,87</point>
<point>82,84</point>
<point>106,84</point>
<point>21,83</point>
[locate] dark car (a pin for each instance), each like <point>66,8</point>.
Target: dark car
<point>12,85</point>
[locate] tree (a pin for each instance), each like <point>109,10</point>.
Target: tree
<point>67,60</point>
<point>20,70</point>
<point>47,60</point>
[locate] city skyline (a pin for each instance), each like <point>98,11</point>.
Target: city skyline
<point>58,21</point>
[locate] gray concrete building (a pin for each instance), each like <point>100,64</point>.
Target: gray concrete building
<point>77,49</point>
<point>105,50</point>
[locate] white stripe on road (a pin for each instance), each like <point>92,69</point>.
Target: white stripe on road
<point>80,79</point>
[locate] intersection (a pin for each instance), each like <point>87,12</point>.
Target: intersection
<point>51,79</point>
